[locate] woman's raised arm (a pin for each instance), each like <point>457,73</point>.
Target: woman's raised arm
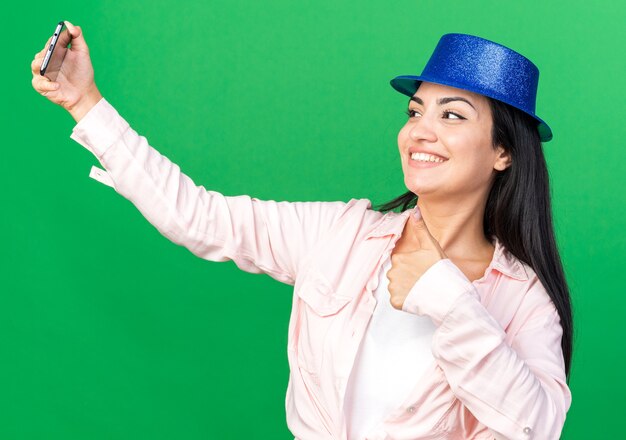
<point>259,236</point>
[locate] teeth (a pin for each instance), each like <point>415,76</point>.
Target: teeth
<point>423,157</point>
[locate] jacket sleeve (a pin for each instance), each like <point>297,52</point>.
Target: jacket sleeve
<point>517,390</point>
<point>259,236</point>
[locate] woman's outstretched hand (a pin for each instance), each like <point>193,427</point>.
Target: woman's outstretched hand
<point>74,89</point>
<point>422,251</point>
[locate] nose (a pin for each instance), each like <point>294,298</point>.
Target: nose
<point>422,129</point>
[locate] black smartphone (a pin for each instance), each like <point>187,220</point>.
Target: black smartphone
<point>56,52</point>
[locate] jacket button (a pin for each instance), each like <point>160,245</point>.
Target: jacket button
<point>527,430</point>
<point>411,409</point>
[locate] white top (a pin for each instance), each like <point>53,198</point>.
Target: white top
<point>393,355</point>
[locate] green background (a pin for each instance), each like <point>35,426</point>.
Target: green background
<point>110,331</point>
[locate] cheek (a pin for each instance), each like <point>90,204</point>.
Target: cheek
<point>478,166</point>
<point>474,155</point>
<point>403,135</point>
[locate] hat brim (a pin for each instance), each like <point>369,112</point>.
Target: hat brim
<point>408,84</point>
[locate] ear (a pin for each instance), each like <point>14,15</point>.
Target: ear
<point>503,159</point>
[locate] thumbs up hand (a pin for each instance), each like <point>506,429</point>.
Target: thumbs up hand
<point>419,252</point>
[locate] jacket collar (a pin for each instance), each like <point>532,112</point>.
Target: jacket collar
<point>392,223</point>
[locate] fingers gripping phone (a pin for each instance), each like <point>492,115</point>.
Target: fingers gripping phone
<point>56,52</point>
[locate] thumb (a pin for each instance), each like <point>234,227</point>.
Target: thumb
<point>77,40</point>
<point>421,232</point>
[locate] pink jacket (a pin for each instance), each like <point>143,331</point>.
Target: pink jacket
<point>498,369</point>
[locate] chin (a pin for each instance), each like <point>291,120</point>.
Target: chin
<point>431,192</point>
<point>420,189</point>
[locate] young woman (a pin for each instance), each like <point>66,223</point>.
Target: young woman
<point>450,319</point>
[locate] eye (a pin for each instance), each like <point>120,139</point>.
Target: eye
<point>456,116</point>
<point>411,113</point>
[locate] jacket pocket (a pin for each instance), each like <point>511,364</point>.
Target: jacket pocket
<point>319,328</point>
<point>320,296</point>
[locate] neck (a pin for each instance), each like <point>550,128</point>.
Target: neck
<point>457,224</point>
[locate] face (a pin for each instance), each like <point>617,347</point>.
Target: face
<point>446,146</point>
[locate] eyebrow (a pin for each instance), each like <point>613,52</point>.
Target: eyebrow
<point>442,101</point>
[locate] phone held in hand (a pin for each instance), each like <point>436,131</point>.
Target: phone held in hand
<point>57,50</point>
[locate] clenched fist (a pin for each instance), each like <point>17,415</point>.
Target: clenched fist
<point>419,253</point>
<point>74,89</point>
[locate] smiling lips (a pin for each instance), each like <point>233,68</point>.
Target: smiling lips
<point>425,157</point>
